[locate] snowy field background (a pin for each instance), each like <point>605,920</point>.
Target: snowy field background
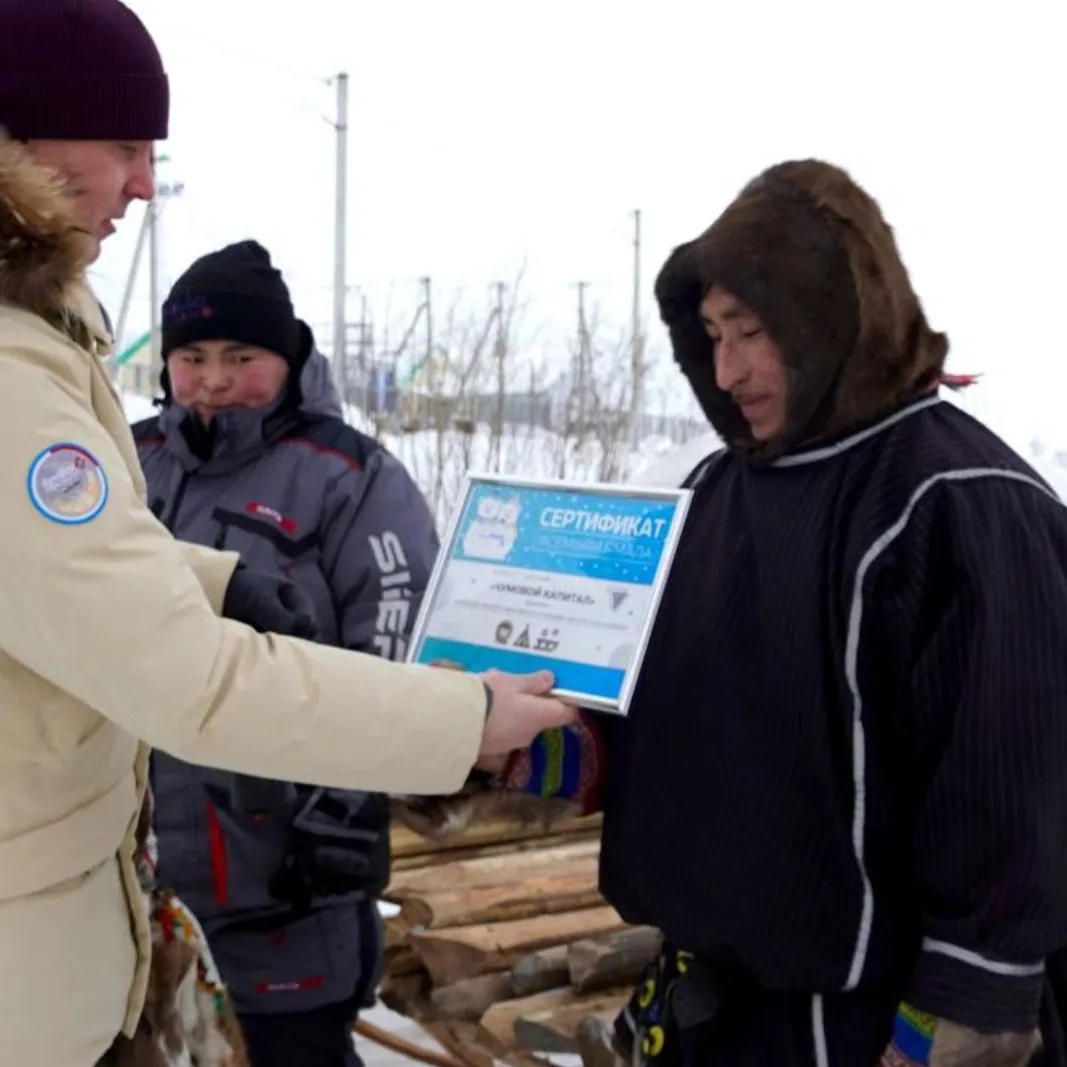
<point>440,461</point>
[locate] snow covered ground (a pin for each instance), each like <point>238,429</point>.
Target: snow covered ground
<point>670,467</point>
<point>375,1056</point>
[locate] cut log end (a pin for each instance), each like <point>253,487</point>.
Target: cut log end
<point>613,958</point>
<point>467,951</point>
<point>555,1029</point>
<point>503,947</point>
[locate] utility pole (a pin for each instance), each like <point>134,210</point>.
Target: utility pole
<point>583,353</point>
<point>501,376</point>
<point>637,369</point>
<point>365,355</point>
<point>154,298</point>
<point>340,247</point>
<point>582,286</point>
<point>127,293</point>
<point>367,369</point>
<point>427,304</point>
<point>501,341</point>
<point>154,212</point>
<point>148,234</point>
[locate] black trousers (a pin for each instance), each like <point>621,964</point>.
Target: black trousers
<point>321,1037</point>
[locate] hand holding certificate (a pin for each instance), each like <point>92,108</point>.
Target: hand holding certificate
<point>544,575</point>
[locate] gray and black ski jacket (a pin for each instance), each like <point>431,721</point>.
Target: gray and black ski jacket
<point>284,876</point>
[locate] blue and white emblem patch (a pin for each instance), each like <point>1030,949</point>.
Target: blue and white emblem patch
<point>67,484</point>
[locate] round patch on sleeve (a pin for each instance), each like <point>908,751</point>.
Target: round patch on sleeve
<point>67,484</point>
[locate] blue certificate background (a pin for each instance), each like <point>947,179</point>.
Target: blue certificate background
<point>543,543</point>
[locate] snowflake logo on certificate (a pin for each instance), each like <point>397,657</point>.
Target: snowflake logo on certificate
<point>495,528</point>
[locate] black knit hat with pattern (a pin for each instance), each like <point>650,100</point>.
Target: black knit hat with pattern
<point>80,70</point>
<point>235,294</point>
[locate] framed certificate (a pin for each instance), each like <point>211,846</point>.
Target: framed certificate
<point>555,575</point>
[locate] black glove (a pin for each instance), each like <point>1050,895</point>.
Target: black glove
<point>269,603</point>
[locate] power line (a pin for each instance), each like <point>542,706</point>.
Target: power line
<point>255,59</point>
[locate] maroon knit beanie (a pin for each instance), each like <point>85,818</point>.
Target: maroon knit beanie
<point>79,70</point>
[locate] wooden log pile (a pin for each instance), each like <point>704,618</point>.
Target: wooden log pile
<point>503,945</point>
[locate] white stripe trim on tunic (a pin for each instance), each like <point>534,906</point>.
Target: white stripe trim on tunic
<point>796,459</point>
<point>818,1032</point>
<point>859,745</point>
<point>983,963</point>
<point>819,1043</point>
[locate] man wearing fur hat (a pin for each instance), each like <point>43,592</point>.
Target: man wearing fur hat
<point>110,631</point>
<point>841,791</point>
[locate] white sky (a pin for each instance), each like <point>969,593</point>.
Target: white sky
<point>485,133</point>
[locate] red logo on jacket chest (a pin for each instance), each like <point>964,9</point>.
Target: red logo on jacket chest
<point>265,511</point>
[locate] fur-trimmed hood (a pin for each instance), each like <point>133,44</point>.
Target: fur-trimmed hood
<point>43,254</point>
<point>808,251</point>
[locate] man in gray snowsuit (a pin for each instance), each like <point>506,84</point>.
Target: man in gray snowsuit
<point>251,453</point>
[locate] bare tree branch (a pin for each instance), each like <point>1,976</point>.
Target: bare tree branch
<point>470,391</point>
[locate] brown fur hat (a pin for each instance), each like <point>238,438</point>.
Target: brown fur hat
<point>808,251</point>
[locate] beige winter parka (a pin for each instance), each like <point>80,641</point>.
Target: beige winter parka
<point>110,643</point>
